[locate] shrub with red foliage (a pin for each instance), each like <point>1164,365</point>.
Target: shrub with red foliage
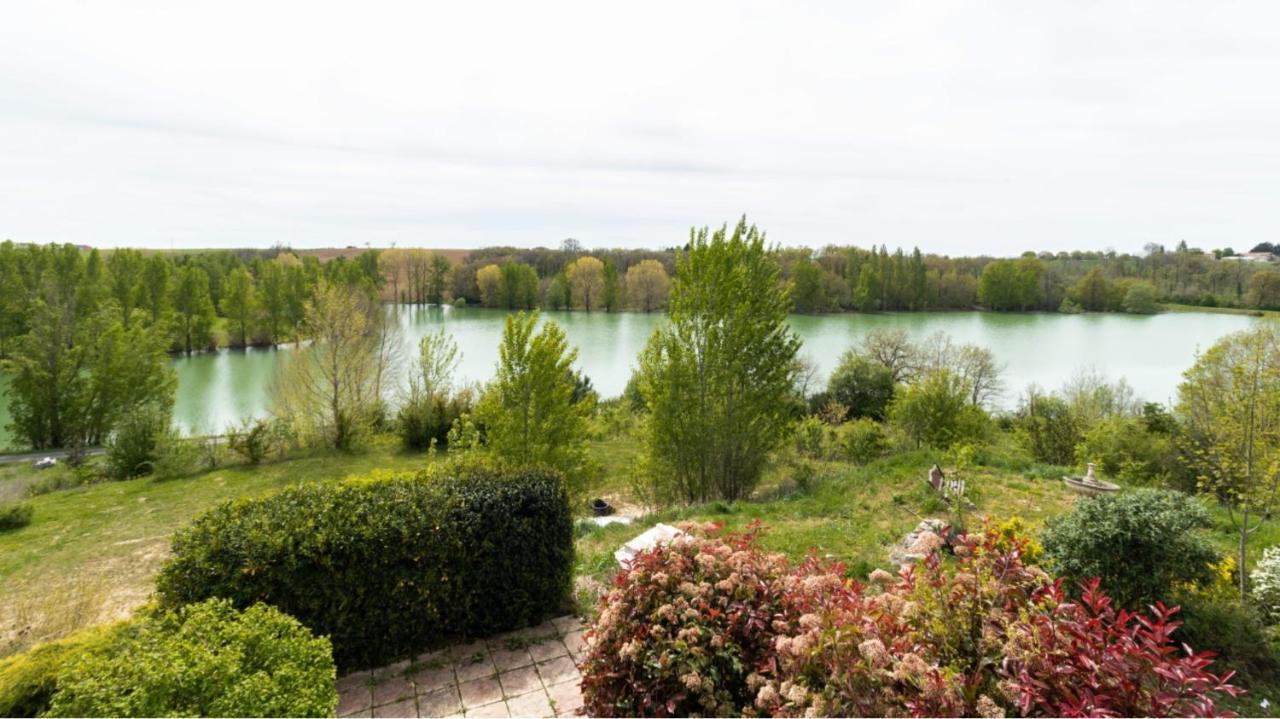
<point>711,626</point>
<point>1085,658</point>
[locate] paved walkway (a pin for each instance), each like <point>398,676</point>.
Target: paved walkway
<point>529,673</point>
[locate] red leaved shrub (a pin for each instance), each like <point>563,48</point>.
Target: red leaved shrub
<point>714,626</point>
<point>1085,658</point>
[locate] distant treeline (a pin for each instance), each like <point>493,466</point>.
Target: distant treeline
<point>835,279</point>
<point>209,298</point>
<point>196,300</point>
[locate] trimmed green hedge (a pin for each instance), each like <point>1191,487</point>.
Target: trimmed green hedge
<point>29,679</point>
<point>389,566</point>
<point>204,659</point>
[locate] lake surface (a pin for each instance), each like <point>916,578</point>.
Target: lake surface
<point>1151,352</point>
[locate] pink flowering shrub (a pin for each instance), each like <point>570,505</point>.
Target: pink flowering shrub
<point>714,626</point>
<point>686,624</point>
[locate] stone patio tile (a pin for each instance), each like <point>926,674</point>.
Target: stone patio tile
<point>392,690</point>
<point>468,670</point>
<point>558,671</point>
<point>430,678</point>
<point>352,681</point>
<point>441,702</point>
<point>533,704</point>
<point>575,642</point>
<point>366,712</point>
<point>505,659</point>
<point>519,681</point>
<point>567,624</point>
<point>549,649</point>
<point>479,692</point>
<point>403,708</point>
<point>461,652</point>
<point>496,709</point>
<point>354,698</point>
<point>566,698</point>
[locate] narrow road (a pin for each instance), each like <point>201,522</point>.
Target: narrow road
<point>32,457</point>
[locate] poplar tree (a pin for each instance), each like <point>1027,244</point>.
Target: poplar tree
<point>718,375</point>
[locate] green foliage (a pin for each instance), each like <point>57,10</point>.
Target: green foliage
<point>1140,299</point>
<point>28,680</point>
<point>193,328</point>
<point>1011,284</point>
<point>424,420</point>
<point>1093,291</point>
<point>1229,402</point>
<point>204,659</point>
<point>717,378</point>
<point>74,376</point>
<point>1048,428</point>
<point>1234,631</point>
<point>528,410</point>
<point>1124,448</point>
<point>860,441</point>
<point>136,443</point>
<point>863,385</point>
<point>388,566</point>
<point>15,515</point>
<point>253,439</point>
<point>1140,543</point>
<point>240,304</point>
<point>935,411</point>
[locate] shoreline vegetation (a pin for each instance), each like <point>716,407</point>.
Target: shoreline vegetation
<point>214,299</point>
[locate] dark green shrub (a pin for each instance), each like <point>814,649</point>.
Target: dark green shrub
<point>1049,429</point>
<point>1141,543</point>
<point>136,440</point>
<point>29,679</point>
<point>204,659</point>
<point>389,566</point>
<point>1221,623</point>
<point>16,515</point>
<point>863,385</point>
<point>425,417</point>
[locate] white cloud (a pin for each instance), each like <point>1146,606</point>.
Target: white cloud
<point>958,127</point>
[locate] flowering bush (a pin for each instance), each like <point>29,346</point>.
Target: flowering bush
<point>1266,583</point>
<point>686,624</point>
<point>925,644</point>
<point>709,626</point>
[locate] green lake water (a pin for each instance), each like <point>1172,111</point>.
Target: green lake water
<point>1151,352</point>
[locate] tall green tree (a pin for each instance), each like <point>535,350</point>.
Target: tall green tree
<point>156,288</point>
<point>437,278</point>
<point>73,376</point>
<point>126,268</point>
<point>528,409</point>
<point>194,309</point>
<point>611,296</point>
<point>1230,405</point>
<point>273,300</point>
<point>717,377</point>
<point>240,303</point>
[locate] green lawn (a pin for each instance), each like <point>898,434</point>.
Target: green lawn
<point>90,553</point>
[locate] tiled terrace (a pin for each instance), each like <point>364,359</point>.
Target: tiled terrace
<point>529,673</point>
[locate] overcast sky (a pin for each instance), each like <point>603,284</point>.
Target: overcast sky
<point>960,127</point>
